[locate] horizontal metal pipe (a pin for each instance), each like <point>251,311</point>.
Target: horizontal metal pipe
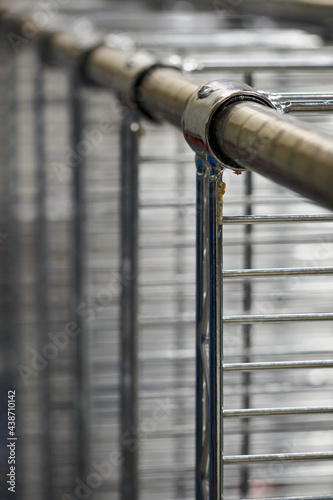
<point>296,103</point>
<point>286,62</point>
<point>251,135</point>
<point>165,94</point>
<point>274,318</point>
<point>257,273</point>
<point>317,12</point>
<point>279,148</point>
<point>254,219</point>
<point>188,318</point>
<point>329,497</point>
<point>278,457</point>
<point>245,273</point>
<point>277,365</point>
<point>64,48</point>
<point>188,354</point>
<point>161,92</point>
<point>277,411</point>
<point>312,11</point>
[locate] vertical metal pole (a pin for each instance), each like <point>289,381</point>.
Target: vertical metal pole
<point>79,255</point>
<point>9,252</point>
<point>42,280</point>
<point>209,397</point>
<point>12,234</point>
<point>180,443</point>
<point>129,135</point>
<point>247,301</point>
<point>216,191</point>
<point>202,297</point>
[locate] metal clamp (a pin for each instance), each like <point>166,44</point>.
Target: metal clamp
<point>201,110</point>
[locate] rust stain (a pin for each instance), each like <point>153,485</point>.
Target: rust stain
<point>220,192</point>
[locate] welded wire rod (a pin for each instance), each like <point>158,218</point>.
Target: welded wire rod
<point>255,219</point>
<point>311,11</point>
<point>261,62</point>
<point>241,318</point>
<point>329,497</point>
<point>277,365</point>
<point>277,411</point>
<point>188,355</point>
<point>295,103</point>
<point>201,324</point>
<point>242,273</point>
<point>278,457</point>
<point>129,135</point>
<point>42,272</point>
<point>215,239</point>
<point>268,318</point>
<point>79,256</point>
<point>258,273</point>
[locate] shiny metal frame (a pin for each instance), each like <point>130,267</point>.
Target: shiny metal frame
<point>209,427</point>
<point>210,413</point>
<point>78,237</point>
<point>129,135</point>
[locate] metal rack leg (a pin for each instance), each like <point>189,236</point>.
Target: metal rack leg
<point>129,135</point>
<point>42,279</point>
<point>216,190</point>
<point>246,328</point>
<point>10,342</point>
<point>180,342</point>
<point>202,319</point>
<point>209,431</point>
<point>246,376</point>
<point>79,254</point>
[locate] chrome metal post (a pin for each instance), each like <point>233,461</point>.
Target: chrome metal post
<point>209,397</point>
<point>246,328</point>
<point>180,342</point>
<point>10,342</point>
<point>129,135</point>
<point>42,278</point>
<point>77,237</point>
<point>216,191</point>
<point>202,326</point>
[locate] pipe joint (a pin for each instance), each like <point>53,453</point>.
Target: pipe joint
<point>201,111</point>
<point>123,71</point>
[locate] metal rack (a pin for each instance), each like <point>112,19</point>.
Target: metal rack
<point>94,431</point>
